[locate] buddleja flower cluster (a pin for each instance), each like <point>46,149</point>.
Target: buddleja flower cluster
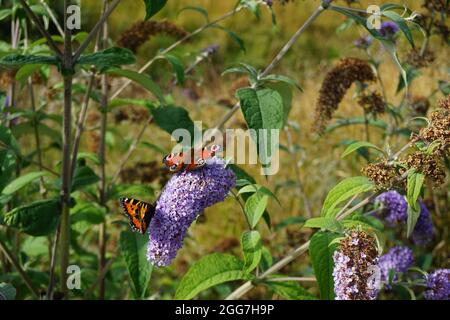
<point>395,211</point>
<point>438,285</point>
<point>397,260</point>
<point>184,197</point>
<point>355,264</point>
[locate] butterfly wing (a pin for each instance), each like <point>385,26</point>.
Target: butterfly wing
<point>138,212</point>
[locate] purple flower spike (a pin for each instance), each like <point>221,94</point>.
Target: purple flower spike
<point>395,207</point>
<point>438,285</point>
<point>184,197</point>
<point>398,259</point>
<point>389,29</point>
<point>423,231</point>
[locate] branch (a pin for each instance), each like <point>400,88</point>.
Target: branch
<point>22,273</point>
<point>94,30</point>
<point>33,17</point>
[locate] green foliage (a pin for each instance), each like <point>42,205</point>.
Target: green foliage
<point>16,61</point>
<point>321,250</point>
<point>210,271</point>
<point>324,223</point>
<point>152,7</point>
<point>343,191</point>
<point>134,251</point>
<point>289,290</point>
<point>108,58</point>
<point>38,218</point>
<point>254,208</point>
<point>22,181</point>
<point>414,187</point>
<point>358,145</point>
<point>252,249</point>
<point>7,291</point>
<point>171,118</point>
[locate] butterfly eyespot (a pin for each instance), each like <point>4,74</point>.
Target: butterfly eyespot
<point>215,148</point>
<point>173,167</point>
<point>169,157</point>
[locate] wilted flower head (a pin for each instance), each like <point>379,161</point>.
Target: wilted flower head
<point>373,103</point>
<point>423,231</point>
<point>419,106</point>
<point>142,31</point>
<point>363,42</point>
<point>335,86</point>
<point>429,165</point>
<point>397,259</point>
<point>381,173</point>
<point>394,207</point>
<point>420,60</point>
<point>186,195</point>
<point>439,129</point>
<point>438,285</point>
<point>354,267</point>
<point>389,29</point>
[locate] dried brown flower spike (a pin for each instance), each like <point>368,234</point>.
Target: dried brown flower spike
<point>382,174</point>
<point>141,32</point>
<point>373,103</point>
<point>335,86</point>
<point>427,164</point>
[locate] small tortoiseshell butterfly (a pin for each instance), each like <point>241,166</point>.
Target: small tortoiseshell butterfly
<point>139,212</point>
<point>188,161</point>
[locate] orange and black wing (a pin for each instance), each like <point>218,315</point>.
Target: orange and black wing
<point>138,212</point>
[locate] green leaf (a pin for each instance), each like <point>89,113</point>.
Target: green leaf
<point>411,74</point>
<point>286,93</point>
<point>198,9</point>
<point>7,291</point>
<point>233,36</point>
<point>252,249</point>
<point>21,182</point>
<point>26,71</point>
<point>171,118</point>
<point>263,109</point>
<point>321,253</point>
<point>394,16</point>
<point>390,47</point>
<point>134,251</point>
<point>343,191</point>
<point>210,271</point>
<point>5,13</point>
<point>325,223</point>
<point>152,7</point>
<point>283,79</point>
<point>355,121</point>
<point>84,176</point>
<point>254,208</point>
<point>16,61</point>
<point>414,187</point>
<point>177,65</point>
<point>141,79</point>
<point>37,219</point>
<point>357,145</point>
<point>7,140</point>
<point>120,102</point>
<point>290,290</point>
<point>108,58</point>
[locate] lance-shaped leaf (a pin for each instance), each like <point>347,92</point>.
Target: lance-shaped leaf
<point>358,145</point>
<point>152,7</point>
<point>325,223</point>
<point>414,187</point>
<point>37,219</point>
<point>134,250</point>
<point>108,58</point>
<point>321,251</point>
<point>171,118</point>
<point>252,249</point>
<point>15,61</point>
<point>21,182</point>
<point>210,271</point>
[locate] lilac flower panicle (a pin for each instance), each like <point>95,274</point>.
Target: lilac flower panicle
<point>423,231</point>
<point>394,207</point>
<point>398,259</point>
<point>354,265</point>
<point>389,29</point>
<point>186,195</point>
<point>438,285</point>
